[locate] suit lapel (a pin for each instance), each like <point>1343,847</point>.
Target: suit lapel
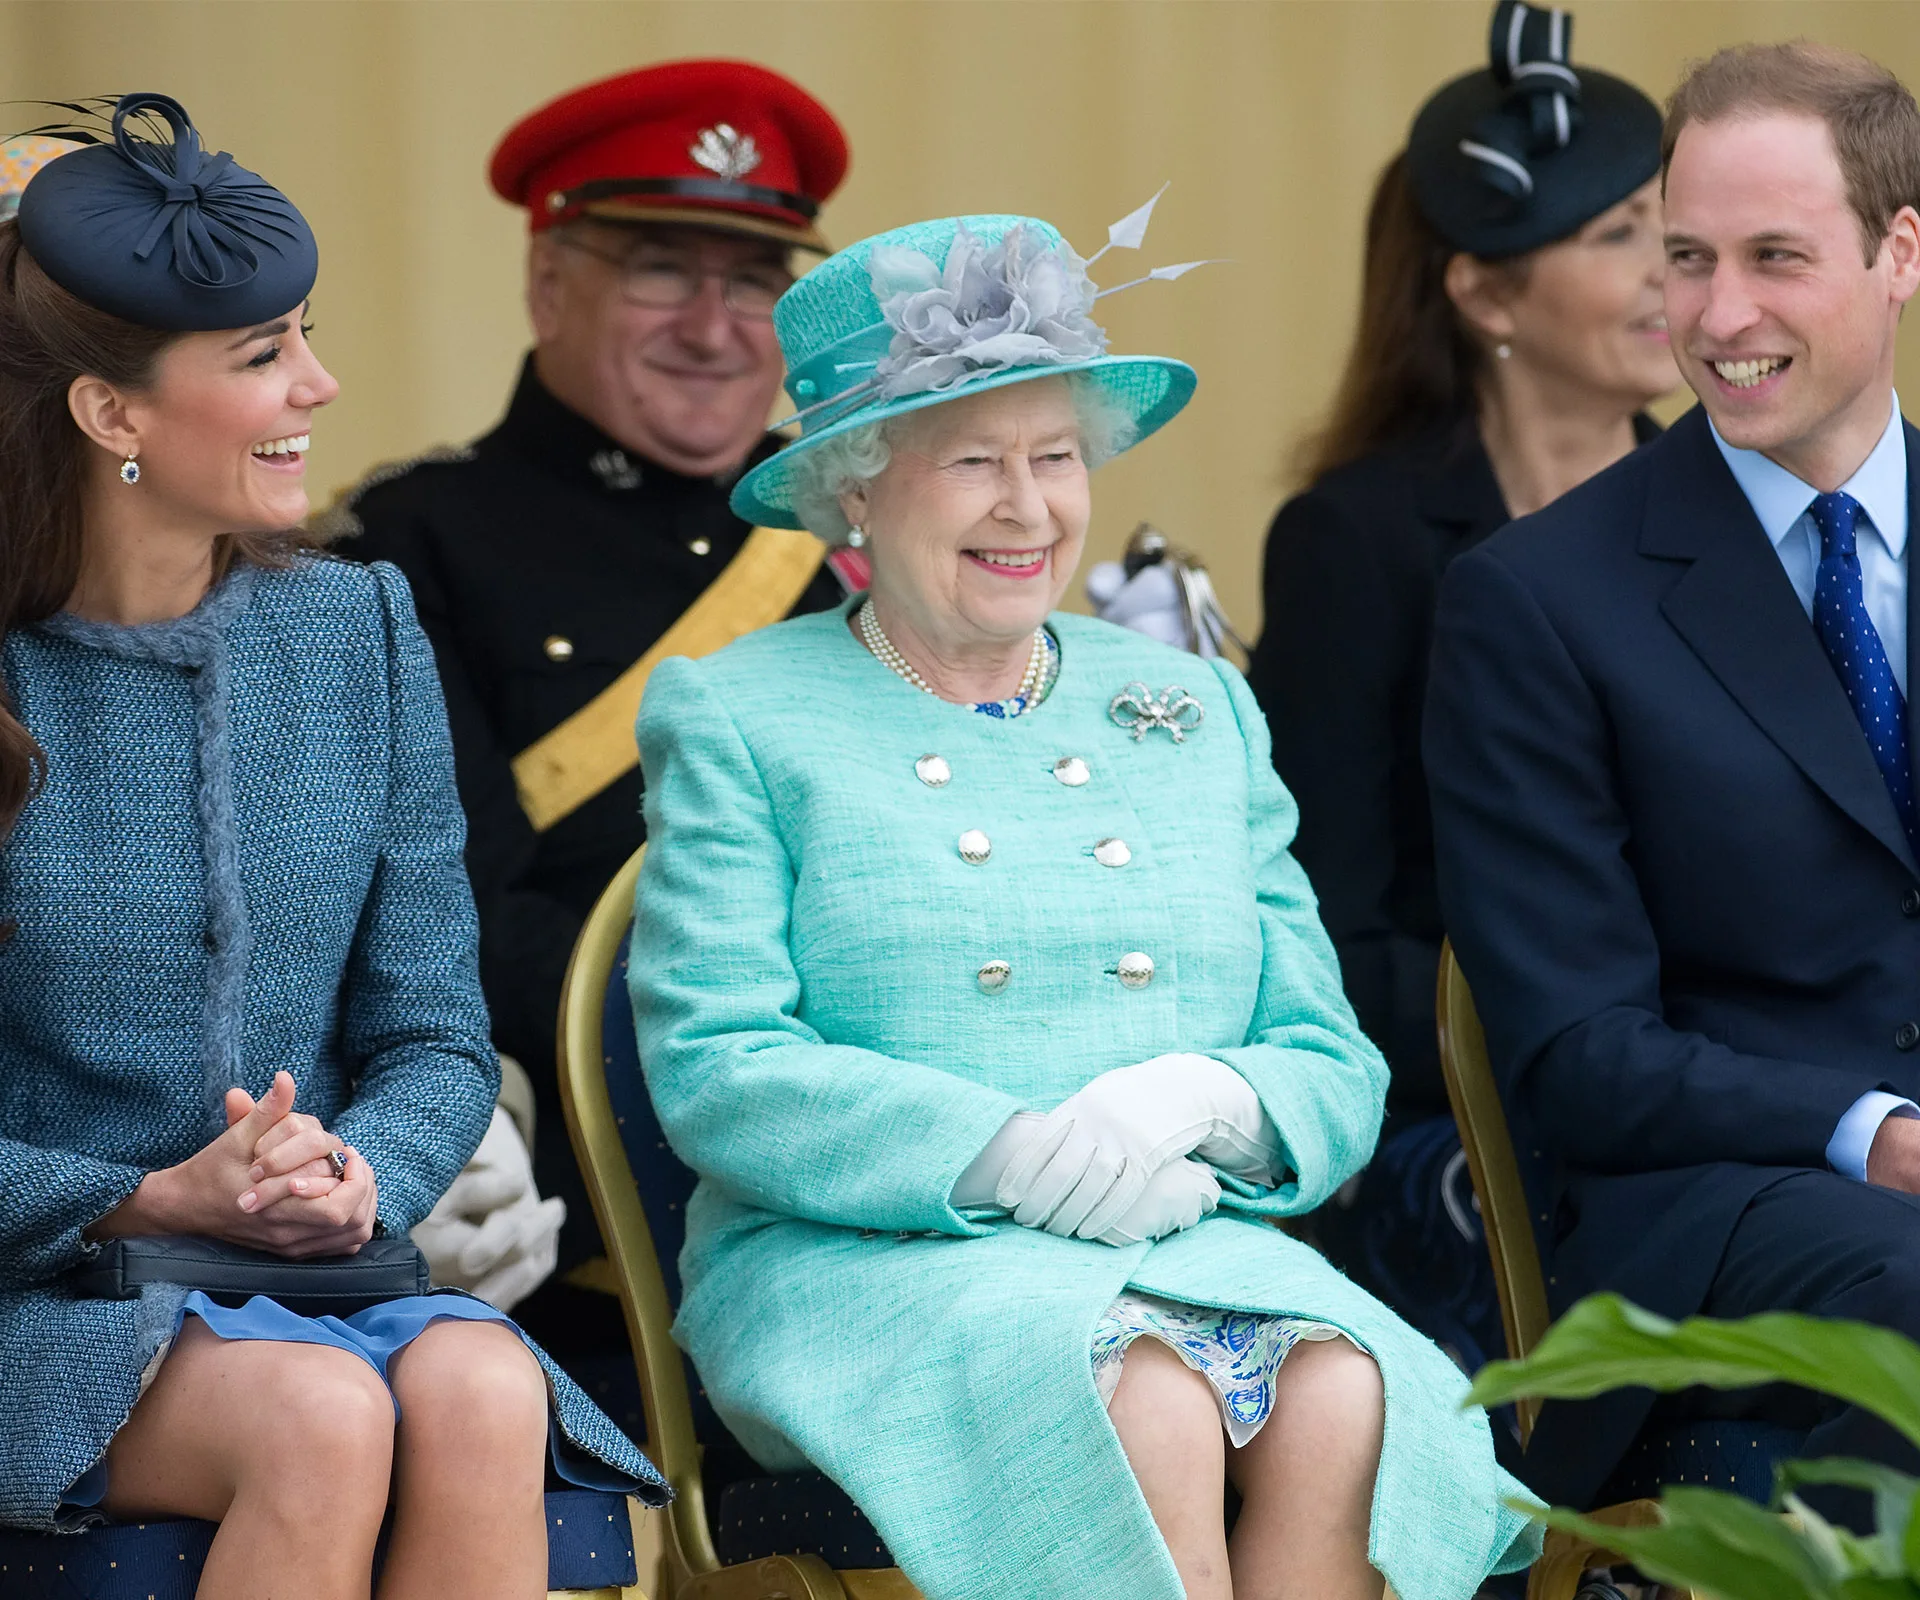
<point>1735,607</point>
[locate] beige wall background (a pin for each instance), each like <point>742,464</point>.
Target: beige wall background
<point>1269,119</point>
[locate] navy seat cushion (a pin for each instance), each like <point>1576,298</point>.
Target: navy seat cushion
<point>793,1514</point>
<point>802,1513</point>
<point>589,1546</point>
<point>1735,1456</point>
<point>665,1184</point>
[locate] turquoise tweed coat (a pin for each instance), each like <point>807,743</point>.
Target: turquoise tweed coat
<point>821,1050</point>
<point>246,856</point>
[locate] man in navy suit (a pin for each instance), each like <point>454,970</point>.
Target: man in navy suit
<point>1671,755</point>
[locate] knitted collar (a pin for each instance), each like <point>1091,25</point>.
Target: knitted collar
<point>188,641</point>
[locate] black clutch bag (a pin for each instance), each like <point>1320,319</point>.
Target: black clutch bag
<point>231,1274</point>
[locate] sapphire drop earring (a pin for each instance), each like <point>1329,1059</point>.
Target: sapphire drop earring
<point>129,471</point>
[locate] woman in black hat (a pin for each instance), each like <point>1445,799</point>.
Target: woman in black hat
<point>230,873</point>
<point>1510,335</point>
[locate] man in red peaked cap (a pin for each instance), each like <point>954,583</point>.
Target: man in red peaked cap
<point>555,558</point>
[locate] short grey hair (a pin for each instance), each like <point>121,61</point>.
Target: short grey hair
<point>855,458</point>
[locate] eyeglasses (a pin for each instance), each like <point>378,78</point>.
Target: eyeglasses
<point>665,282</point>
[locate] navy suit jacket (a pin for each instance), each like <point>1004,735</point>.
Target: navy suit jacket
<point>1673,876</point>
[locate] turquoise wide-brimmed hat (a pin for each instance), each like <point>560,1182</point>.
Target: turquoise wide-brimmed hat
<point>929,313</point>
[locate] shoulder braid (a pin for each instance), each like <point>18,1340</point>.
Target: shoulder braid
<point>340,519</point>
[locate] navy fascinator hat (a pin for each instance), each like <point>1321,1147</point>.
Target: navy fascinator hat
<point>165,233</point>
<point>1529,150</point>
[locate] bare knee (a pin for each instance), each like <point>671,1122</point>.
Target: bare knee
<point>330,1405</point>
<point>471,1384</point>
<point>328,1395</point>
<point>1331,1390</point>
<point>1161,1402</point>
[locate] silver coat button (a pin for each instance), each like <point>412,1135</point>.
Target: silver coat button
<point>701,547</point>
<point>1136,969</point>
<point>1113,853</point>
<point>994,977</point>
<point>558,647</point>
<point>1071,771</point>
<point>933,771</point>
<point>975,846</point>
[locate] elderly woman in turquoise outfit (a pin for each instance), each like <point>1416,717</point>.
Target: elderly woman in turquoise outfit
<point>974,978</point>
<point>230,875</point>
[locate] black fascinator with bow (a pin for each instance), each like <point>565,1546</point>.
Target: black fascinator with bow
<point>1529,150</point>
<point>149,225</point>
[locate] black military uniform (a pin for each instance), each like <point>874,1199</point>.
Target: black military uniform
<point>544,560</point>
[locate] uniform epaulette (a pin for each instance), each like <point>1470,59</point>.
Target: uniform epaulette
<point>340,521</point>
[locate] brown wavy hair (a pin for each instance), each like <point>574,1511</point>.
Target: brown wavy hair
<point>1414,365</point>
<point>1870,116</point>
<point>47,340</point>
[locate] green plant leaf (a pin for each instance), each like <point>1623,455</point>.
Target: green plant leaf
<point>1606,1343</point>
<point>1872,1588</point>
<point>1893,1548</point>
<point>1718,1544</point>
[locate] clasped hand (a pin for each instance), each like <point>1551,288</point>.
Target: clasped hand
<point>1086,1168</point>
<point>267,1182</point>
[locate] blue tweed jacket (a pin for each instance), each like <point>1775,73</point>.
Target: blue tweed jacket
<point>247,856</point>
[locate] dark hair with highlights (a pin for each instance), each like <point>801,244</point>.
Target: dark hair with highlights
<point>47,340</point>
<point>1414,364</point>
<point>1870,116</point>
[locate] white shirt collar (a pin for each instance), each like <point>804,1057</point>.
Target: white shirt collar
<point>1779,499</point>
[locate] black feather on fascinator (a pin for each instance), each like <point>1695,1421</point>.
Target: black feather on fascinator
<point>146,223</point>
<point>1528,150</point>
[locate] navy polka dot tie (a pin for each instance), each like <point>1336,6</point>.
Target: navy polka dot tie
<point>1840,618</point>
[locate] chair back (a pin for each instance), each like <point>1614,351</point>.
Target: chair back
<point>639,1190</point>
<point>1496,1173</point>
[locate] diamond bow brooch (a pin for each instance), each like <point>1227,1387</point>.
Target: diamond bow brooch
<point>1137,709</point>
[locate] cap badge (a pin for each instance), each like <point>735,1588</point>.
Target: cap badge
<point>724,151</point>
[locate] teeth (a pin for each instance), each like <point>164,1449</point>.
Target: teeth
<point>294,445</point>
<point>1745,374</point>
<point>1019,559</point>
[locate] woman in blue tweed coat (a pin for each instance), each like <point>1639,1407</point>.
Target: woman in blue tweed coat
<point>973,976</point>
<point>230,873</point>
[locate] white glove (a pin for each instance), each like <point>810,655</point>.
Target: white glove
<point>1175,1197</point>
<point>1090,1159</point>
<point>1149,602</point>
<point>492,1234</point>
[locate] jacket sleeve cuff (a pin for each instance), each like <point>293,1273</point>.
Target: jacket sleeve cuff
<point>1852,1140</point>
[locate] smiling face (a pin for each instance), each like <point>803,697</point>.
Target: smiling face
<point>689,386</point>
<point>220,434</point>
<point>977,523</point>
<point>1781,327</point>
<point>1590,313</point>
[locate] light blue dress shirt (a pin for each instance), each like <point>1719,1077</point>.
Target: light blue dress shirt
<point>1783,504</point>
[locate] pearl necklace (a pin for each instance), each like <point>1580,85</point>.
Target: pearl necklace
<point>875,638</point>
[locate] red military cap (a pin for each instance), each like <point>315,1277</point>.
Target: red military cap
<point>723,144</point>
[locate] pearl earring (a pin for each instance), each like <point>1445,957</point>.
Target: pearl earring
<point>129,471</point>
<point>856,536</point>
<point>1503,351</point>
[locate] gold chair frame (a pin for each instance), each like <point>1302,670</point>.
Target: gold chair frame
<point>1475,1098</point>
<point>692,1567</point>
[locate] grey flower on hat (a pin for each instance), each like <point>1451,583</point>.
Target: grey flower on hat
<point>1022,301</point>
